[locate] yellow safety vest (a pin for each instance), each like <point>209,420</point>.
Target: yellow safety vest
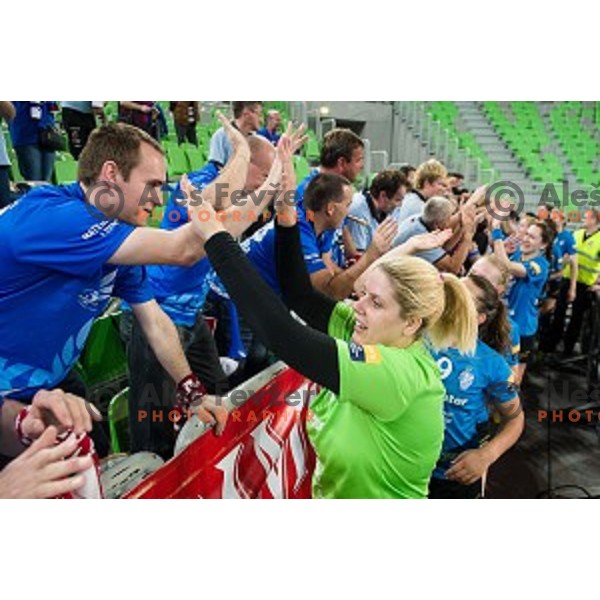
<point>588,258</point>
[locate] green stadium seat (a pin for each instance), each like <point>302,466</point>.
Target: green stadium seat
<point>65,171</point>
<point>103,359</point>
<point>177,162</point>
<point>118,422</point>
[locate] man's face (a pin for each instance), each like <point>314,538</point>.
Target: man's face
<point>436,188</point>
<point>141,193</point>
<point>252,117</point>
<point>352,169</point>
<point>340,208</point>
<point>259,167</point>
<point>274,121</point>
<point>386,204</point>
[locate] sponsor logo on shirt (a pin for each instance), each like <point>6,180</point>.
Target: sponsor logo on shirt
<point>102,229</point>
<point>366,354</point>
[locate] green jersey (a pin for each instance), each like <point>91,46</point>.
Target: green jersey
<point>382,435</point>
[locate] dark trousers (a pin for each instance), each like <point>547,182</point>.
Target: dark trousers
<point>443,488</point>
<point>578,310</point>
<point>5,196</point>
<point>186,132</point>
<point>152,391</point>
<point>78,126</point>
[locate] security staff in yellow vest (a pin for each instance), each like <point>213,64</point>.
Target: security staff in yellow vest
<point>587,245</point>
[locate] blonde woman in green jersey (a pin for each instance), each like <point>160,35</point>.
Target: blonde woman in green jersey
<point>377,425</point>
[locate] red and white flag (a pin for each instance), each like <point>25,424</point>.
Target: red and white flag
<point>264,451</point>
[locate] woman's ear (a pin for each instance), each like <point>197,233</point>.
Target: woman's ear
<point>413,325</point>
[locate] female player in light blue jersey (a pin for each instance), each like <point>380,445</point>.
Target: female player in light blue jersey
<point>476,384</point>
<point>530,271</point>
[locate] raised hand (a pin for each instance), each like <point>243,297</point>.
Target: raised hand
<point>428,241</point>
<point>384,236</point>
<point>285,205</point>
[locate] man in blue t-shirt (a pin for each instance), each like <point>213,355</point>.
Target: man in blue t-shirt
<point>342,153</point>
<point>181,291</point>
<point>68,249</point>
<point>371,206</point>
<point>271,130</point>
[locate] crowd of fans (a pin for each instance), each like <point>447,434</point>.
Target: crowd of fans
<point>422,301</point>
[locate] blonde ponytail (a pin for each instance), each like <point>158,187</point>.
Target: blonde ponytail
<point>457,325</point>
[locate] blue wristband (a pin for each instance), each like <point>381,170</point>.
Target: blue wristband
<point>497,234</point>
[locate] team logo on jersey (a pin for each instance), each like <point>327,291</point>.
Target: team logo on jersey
<point>92,299</point>
<point>465,379</point>
<point>366,354</point>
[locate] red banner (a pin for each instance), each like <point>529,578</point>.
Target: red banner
<point>264,451</point>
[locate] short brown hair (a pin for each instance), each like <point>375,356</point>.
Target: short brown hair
<point>388,181</point>
<point>240,105</point>
<point>324,188</point>
<point>339,143</point>
<point>117,142</point>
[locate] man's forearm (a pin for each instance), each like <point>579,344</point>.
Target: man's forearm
<point>163,338</point>
<point>458,257</point>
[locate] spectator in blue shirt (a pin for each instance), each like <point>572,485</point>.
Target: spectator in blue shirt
<point>35,162</point>
<point>271,130</point>
<point>371,206</point>
<point>68,249</point>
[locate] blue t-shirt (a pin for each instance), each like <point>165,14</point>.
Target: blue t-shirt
<point>181,291</point>
<point>29,119</point>
<point>414,225</point>
<point>362,234</point>
<point>54,281</point>
<point>260,250</point>
<point>301,188</point>
<point>525,293</point>
<point>472,383</point>
<point>564,243</point>
<point>328,234</point>
<point>220,147</point>
<point>273,137</point>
